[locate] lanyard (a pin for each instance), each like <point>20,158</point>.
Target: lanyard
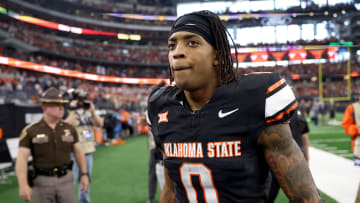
<point>83,119</point>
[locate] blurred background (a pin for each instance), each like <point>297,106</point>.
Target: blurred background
<point>116,50</point>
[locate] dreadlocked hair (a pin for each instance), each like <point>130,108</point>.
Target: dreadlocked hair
<point>224,71</point>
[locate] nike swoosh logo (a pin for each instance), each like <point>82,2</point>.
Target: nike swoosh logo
<point>223,115</point>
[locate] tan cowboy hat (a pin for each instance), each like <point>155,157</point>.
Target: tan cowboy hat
<point>52,95</point>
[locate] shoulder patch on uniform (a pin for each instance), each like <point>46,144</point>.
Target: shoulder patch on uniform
<point>23,134</point>
<point>24,131</point>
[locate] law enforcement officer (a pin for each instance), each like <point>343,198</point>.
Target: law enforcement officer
<point>83,117</point>
<point>50,142</point>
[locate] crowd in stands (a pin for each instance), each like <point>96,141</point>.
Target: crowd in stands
<point>310,6</point>
<point>88,67</point>
<point>108,50</point>
<point>156,5</point>
<point>307,70</point>
<point>116,6</point>
<point>99,10</point>
<point>117,103</point>
<point>151,35</point>
<point>25,87</point>
<point>307,86</point>
<point>333,74</point>
<point>112,51</point>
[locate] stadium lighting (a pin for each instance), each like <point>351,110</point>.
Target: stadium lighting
<point>335,15</point>
<point>135,37</point>
<point>357,6</point>
<point>123,36</point>
<point>343,12</point>
<point>326,13</point>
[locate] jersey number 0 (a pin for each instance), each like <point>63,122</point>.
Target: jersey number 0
<point>187,170</point>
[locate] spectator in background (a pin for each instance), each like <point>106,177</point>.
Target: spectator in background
<point>102,102</point>
<point>322,109</point>
<point>127,128</point>
<point>117,127</point>
<point>314,113</point>
<point>50,142</point>
<point>83,117</point>
<point>332,119</point>
<point>299,129</point>
<point>351,125</point>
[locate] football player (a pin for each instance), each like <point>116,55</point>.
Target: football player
<point>219,134</point>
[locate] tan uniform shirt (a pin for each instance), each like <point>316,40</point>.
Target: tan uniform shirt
<point>49,147</point>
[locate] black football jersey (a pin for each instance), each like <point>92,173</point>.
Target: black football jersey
<point>212,154</point>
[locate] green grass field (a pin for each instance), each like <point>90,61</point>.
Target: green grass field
<point>331,138</point>
<point>120,172</point>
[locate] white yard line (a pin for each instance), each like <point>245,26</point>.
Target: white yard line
<point>327,131</point>
<point>346,155</point>
<point>331,140</point>
<point>334,175</point>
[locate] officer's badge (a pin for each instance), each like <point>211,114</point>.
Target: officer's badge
<point>40,139</point>
<point>67,132</point>
<point>40,135</point>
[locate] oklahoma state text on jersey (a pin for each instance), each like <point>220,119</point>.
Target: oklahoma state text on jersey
<point>212,154</point>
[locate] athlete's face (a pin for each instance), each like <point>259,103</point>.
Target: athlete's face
<point>54,110</point>
<point>192,61</point>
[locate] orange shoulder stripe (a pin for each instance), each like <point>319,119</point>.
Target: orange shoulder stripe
<point>281,115</point>
<point>276,85</point>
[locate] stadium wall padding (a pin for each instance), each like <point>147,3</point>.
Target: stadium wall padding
<point>14,118</point>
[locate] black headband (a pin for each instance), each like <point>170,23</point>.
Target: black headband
<point>194,23</point>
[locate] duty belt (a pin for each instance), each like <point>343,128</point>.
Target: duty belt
<point>57,171</point>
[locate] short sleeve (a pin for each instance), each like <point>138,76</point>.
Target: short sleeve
<point>25,139</point>
<point>280,101</point>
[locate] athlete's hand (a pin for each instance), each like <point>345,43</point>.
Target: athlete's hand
<point>84,183</point>
<point>25,193</point>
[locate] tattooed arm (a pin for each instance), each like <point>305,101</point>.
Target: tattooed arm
<point>168,192</point>
<point>288,164</point>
